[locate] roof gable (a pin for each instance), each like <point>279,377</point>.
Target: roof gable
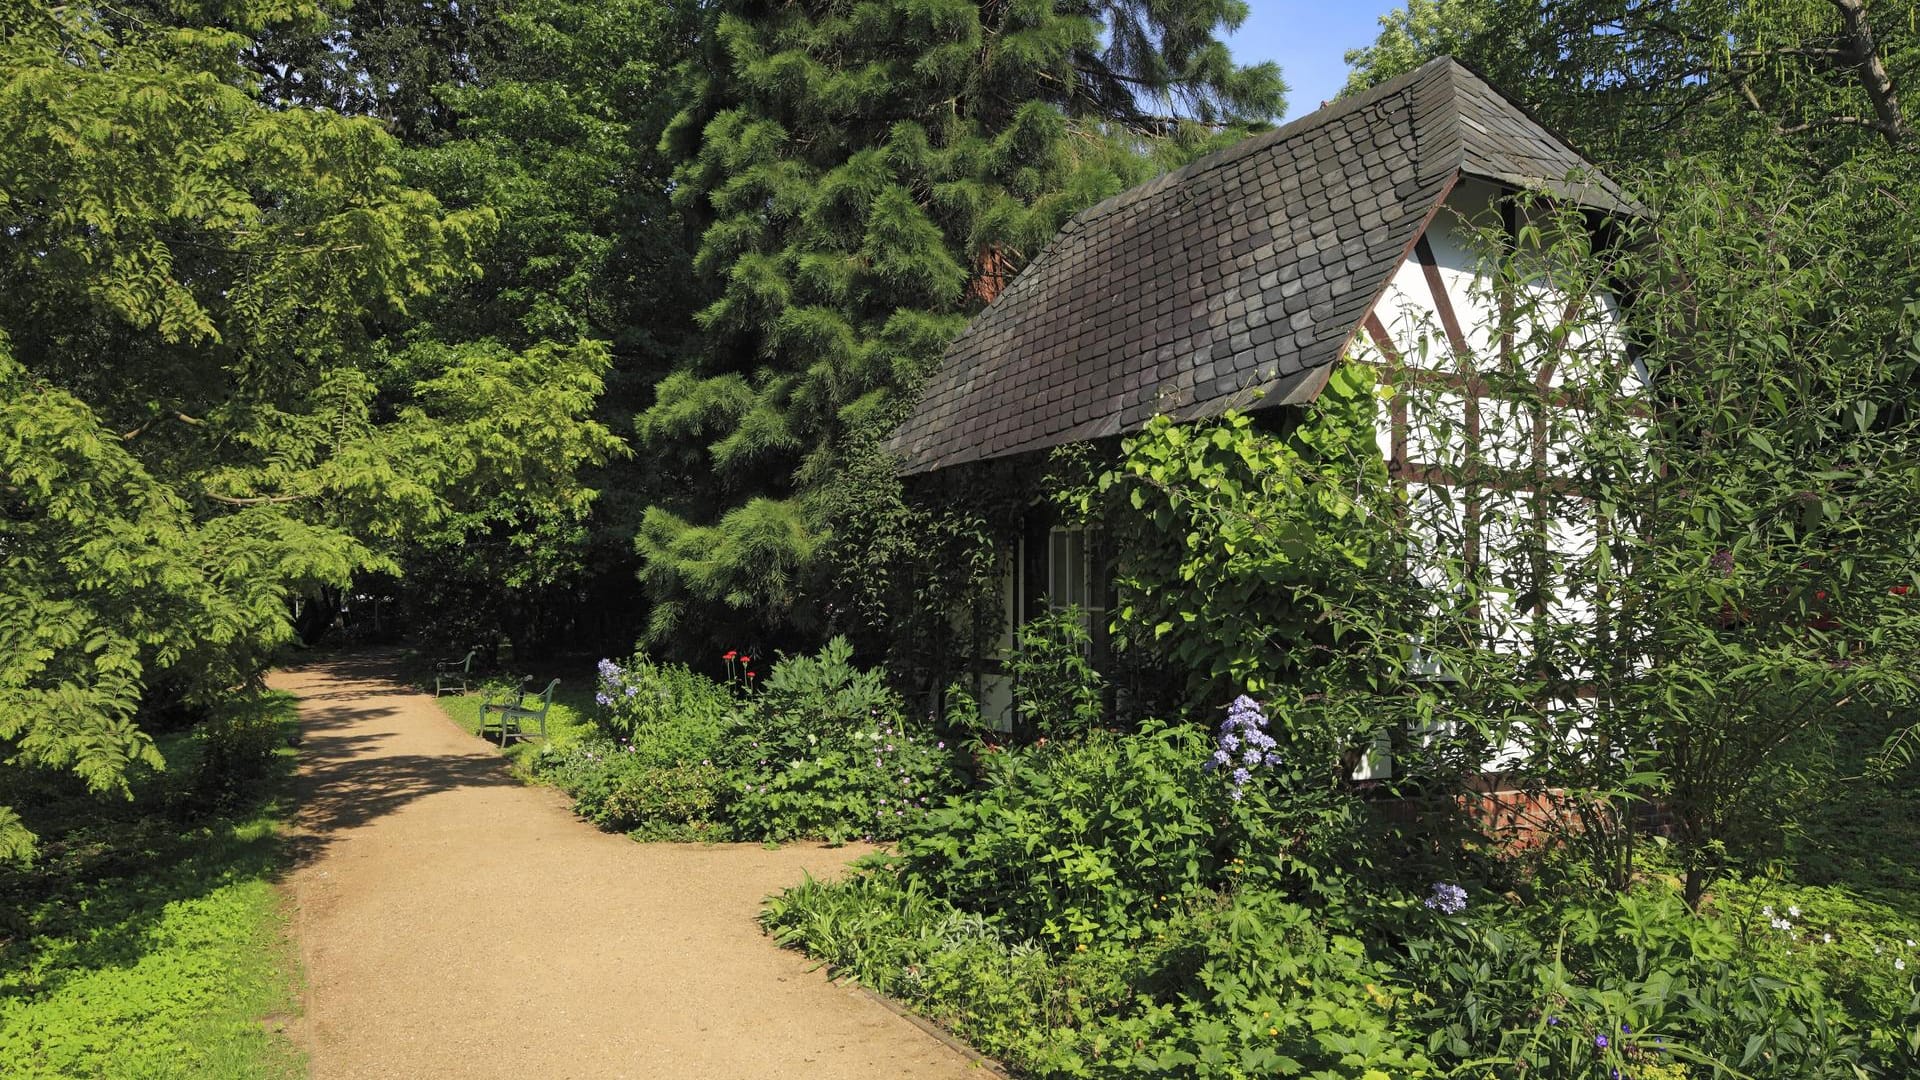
<point>1230,281</point>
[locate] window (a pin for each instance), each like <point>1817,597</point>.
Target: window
<point>1074,574</point>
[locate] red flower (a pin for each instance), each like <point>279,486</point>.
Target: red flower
<point>728,655</point>
<point>1820,594</point>
<point>746,659</point>
<point>1898,590</point>
<point>750,674</point>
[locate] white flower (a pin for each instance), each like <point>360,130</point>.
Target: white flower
<point>1909,943</point>
<point>1828,938</point>
<point>1793,910</point>
<point>1899,965</point>
<point>1767,911</point>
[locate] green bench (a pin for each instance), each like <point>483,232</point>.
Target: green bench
<point>452,676</point>
<point>516,709</point>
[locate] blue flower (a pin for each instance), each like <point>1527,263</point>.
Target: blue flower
<point>1243,743</point>
<point>1448,899</point>
<point>1600,1041</point>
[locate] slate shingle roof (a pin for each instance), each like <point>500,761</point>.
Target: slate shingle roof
<point>1237,278</point>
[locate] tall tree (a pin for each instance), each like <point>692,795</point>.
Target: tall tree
<point>548,113</point>
<point>202,415</point>
<point>867,172</point>
<point>1629,79</point>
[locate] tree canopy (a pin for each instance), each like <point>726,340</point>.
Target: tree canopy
<point>206,411</point>
<point>867,174</point>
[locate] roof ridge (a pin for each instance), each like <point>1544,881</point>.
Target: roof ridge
<point>1313,121</point>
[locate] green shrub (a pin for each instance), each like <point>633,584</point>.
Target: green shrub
<point>1072,840</point>
<point>1105,907</point>
<point>826,751</point>
<point>1060,693</point>
<point>822,750</point>
<point>235,751</point>
<point>620,787</point>
<point>668,712</point>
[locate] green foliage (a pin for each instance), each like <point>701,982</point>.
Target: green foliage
<point>252,440</point>
<point>1059,691</point>
<point>142,945</point>
<point>827,750</point>
<point>1044,922</point>
<point>657,769</point>
<point>1071,841</point>
<point>819,748</point>
<point>628,787</point>
<point>864,176</point>
<point>1787,81</point>
<point>1236,543</point>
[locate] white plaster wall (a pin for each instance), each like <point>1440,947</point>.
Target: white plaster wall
<point>1437,419</point>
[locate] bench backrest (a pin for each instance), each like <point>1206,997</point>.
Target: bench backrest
<point>546,698</point>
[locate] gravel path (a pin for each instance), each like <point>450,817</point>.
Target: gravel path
<point>456,923</point>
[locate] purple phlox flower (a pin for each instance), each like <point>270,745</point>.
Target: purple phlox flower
<point>601,699</point>
<point>1447,898</point>
<point>1242,742</point>
<point>633,691</point>
<point>608,669</point>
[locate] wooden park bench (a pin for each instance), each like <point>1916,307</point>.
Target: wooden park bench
<point>516,709</point>
<point>452,676</point>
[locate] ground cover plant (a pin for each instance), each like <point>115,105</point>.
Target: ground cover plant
<point>147,940</point>
<point>1110,909</point>
<point>814,747</point>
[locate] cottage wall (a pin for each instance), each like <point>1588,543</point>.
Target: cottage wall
<point>1437,325</point>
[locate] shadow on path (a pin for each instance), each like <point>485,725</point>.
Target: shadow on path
<point>348,778</point>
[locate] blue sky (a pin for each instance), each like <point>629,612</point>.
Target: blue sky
<point>1308,41</point>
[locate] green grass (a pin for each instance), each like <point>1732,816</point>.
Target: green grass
<point>569,721</point>
<point>148,940</point>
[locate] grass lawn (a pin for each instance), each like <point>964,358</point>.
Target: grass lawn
<point>570,720</point>
<point>147,940</point>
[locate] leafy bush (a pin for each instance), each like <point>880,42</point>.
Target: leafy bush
<point>667,711</point>
<point>821,750</point>
<point>235,751</point>
<point>826,751</point>
<point>1067,841</point>
<point>1108,908</point>
<point>655,770</point>
<point>620,786</point>
<point>1060,693</point>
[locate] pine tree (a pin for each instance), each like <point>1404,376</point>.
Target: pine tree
<point>867,174</point>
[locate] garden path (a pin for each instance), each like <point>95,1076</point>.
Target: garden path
<point>455,923</point>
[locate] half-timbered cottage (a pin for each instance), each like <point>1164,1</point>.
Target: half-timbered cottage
<point>1239,282</point>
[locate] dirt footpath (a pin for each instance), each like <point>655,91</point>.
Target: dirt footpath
<point>456,923</point>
